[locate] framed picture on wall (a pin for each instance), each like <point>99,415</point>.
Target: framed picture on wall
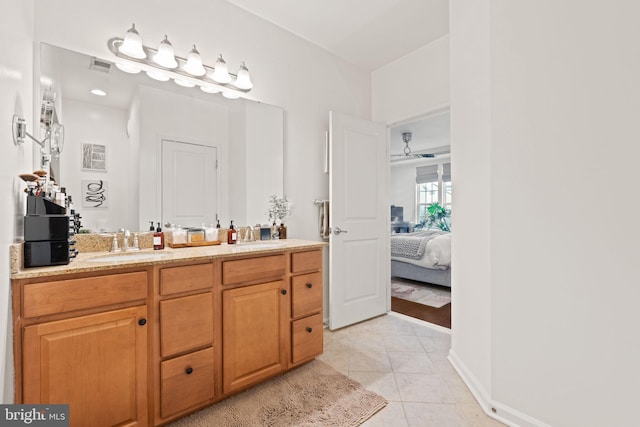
<point>95,193</point>
<point>94,157</point>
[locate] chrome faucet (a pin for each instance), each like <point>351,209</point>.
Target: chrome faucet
<point>248,234</point>
<point>125,240</point>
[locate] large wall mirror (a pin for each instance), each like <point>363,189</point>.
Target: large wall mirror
<point>138,150</point>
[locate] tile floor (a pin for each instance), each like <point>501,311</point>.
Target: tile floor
<point>405,361</point>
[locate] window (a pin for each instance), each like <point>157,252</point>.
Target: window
<point>433,184</point>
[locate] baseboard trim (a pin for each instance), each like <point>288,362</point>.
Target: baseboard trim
<point>493,409</point>
<point>420,322</point>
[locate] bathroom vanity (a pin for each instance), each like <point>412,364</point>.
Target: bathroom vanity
<point>141,339</point>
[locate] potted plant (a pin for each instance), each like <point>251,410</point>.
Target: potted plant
<point>437,217</point>
<point>279,208</point>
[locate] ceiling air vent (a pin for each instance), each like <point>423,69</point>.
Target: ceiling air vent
<point>100,65</point>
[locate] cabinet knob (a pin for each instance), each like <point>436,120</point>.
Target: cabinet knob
<point>309,329</point>
<point>283,292</point>
<point>142,322</point>
<point>309,285</point>
<point>189,370</point>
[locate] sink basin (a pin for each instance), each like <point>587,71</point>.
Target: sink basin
<point>127,257</point>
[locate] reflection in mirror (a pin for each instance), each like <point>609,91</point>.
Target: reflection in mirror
<point>429,135</point>
<point>137,150</point>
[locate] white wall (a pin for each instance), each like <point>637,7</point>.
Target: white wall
<point>287,71</point>
<point>561,324</point>
<point>16,87</point>
<point>413,85</point>
<point>97,124</point>
<point>402,189</point>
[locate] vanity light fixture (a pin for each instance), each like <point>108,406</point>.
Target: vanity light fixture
<point>244,80</point>
<point>158,75</point>
<point>162,64</point>
<point>165,56</point>
<point>209,89</point>
<point>184,83</point>
<point>127,68</point>
<point>194,63</point>
<point>132,44</point>
<point>221,71</point>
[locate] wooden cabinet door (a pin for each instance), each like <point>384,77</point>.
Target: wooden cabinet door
<point>97,364</point>
<point>254,333</point>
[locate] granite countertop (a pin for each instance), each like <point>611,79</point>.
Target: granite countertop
<point>95,261</point>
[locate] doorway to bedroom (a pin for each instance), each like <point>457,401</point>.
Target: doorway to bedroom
<point>420,198</point>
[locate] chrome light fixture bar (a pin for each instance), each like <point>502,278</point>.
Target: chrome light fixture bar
<point>185,73</point>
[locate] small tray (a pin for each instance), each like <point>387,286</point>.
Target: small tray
<point>193,244</point>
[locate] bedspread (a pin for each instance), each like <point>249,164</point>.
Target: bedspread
<point>429,248</point>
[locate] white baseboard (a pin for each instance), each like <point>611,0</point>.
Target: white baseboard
<point>495,410</point>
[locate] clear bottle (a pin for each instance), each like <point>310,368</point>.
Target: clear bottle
<point>232,235</point>
<point>158,238</point>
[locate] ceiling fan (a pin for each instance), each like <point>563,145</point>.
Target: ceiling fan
<point>406,138</point>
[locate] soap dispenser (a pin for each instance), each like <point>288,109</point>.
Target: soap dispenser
<point>158,238</point>
<point>151,227</point>
<point>232,235</point>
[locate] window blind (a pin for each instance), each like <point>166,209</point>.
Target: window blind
<point>446,172</point>
<point>426,174</point>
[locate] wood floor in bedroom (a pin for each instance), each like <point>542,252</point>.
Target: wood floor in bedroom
<point>439,316</point>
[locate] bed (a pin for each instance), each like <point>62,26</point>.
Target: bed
<point>424,256</point>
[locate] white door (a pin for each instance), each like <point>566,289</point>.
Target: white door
<point>359,220</point>
<point>189,184</point>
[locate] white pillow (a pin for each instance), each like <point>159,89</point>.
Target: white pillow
<point>439,250</point>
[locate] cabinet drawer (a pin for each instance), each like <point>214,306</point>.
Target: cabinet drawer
<point>186,323</point>
<point>306,293</point>
<point>185,278</point>
<point>306,336</point>
<point>186,381</point>
<point>63,296</point>
<point>250,269</point>
<point>306,261</point>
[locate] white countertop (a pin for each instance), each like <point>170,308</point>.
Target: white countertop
<point>104,261</point>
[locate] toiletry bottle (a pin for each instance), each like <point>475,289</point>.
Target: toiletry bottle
<point>158,238</point>
<point>218,224</point>
<point>232,235</point>
<point>282,231</point>
<point>151,227</point>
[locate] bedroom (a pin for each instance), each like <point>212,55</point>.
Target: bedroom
<point>420,177</point>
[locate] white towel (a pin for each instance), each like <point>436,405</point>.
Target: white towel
<point>324,219</point>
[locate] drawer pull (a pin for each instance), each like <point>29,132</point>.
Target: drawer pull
<point>142,322</point>
<point>189,370</point>
<point>283,292</point>
<point>309,329</point>
<point>309,285</point>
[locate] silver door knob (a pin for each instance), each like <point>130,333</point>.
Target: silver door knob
<point>338,231</point>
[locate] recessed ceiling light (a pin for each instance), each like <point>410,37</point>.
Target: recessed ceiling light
<point>98,92</point>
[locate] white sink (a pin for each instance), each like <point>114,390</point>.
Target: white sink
<point>128,257</point>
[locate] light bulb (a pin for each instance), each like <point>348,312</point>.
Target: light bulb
<point>244,80</point>
<point>184,83</point>
<point>230,95</point>
<point>221,72</point>
<point>194,63</point>
<point>209,89</point>
<point>127,68</point>
<point>132,44</point>
<point>158,75</point>
<point>164,57</point>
